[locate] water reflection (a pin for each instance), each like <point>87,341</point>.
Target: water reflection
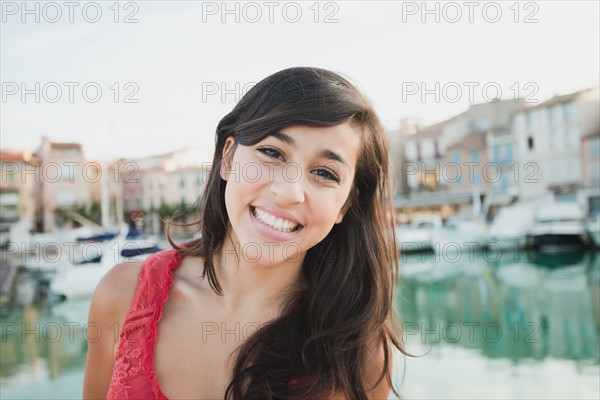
<point>42,346</point>
<point>516,306</point>
<point>489,322</point>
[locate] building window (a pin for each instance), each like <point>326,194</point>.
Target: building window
<point>594,174</point>
<point>530,143</point>
<point>528,120</point>
<point>569,113</point>
<point>418,151</point>
<point>68,151</point>
<point>456,158</point>
<point>476,178</point>
<point>182,181</point>
<point>504,180</point>
<point>571,137</point>
<point>475,158</point>
<point>10,176</point>
<point>508,153</point>
<point>474,155</point>
<point>66,172</point>
<point>553,142</point>
<point>436,148</point>
<point>500,153</point>
<point>593,148</point>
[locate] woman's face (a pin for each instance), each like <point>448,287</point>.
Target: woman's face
<point>285,193</point>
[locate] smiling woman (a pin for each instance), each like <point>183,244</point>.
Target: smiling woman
<point>301,182</point>
<point>288,292</point>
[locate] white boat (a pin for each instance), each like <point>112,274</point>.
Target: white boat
<point>50,251</point>
<point>559,227</point>
<point>511,226</point>
<point>79,279</point>
<point>463,232</point>
<point>593,228</point>
<point>417,236</point>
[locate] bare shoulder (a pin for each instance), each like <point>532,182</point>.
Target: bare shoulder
<point>375,366</point>
<point>109,307</point>
<point>113,295</point>
<point>116,289</point>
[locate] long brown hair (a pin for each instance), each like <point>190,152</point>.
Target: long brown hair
<point>322,337</point>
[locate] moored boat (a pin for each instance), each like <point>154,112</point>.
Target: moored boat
<point>417,236</point>
<point>559,227</point>
<point>510,227</point>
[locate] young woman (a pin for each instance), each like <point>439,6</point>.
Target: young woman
<point>288,292</point>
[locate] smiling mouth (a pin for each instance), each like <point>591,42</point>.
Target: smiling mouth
<point>275,223</point>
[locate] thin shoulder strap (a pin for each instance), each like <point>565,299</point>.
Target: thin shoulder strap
<point>156,277</point>
<point>154,280</point>
<point>134,359</point>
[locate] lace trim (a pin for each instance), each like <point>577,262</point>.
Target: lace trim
<point>174,259</point>
<point>137,319</point>
<point>135,354</point>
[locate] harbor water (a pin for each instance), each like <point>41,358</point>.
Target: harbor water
<point>479,325</point>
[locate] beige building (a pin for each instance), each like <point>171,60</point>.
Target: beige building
<point>18,187</point>
<point>66,181</point>
<point>424,158</point>
<point>162,182</point>
<point>590,162</point>
<point>397,139</point>
<point>548,138</point>
<point>466,165</point>
<point>590,157</point>
<point>449,161</point>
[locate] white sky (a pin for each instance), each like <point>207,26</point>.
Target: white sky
<point>171,52</point>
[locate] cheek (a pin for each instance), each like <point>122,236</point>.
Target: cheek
<point>244,180</point>
<point>247,169</point>
<point>327,207</point>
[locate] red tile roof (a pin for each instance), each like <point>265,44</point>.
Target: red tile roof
<point>16,157</point>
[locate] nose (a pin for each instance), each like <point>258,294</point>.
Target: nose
<point>288,187</point>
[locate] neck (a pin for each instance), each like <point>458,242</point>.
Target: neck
<point>253,286</point>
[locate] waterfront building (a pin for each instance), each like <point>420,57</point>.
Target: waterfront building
<point>548,137</point>
<point>17,194</point>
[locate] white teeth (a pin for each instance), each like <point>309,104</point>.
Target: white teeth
<point>275,223</point>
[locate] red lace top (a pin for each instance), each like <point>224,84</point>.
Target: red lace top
<point>133,374</point>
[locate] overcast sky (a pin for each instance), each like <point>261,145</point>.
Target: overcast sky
<point>176,58</point>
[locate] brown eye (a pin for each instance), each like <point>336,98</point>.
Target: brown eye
<point>326,174</point>
<point>271,153</point>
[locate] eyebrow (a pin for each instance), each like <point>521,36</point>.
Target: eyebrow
<point>328,154</point>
